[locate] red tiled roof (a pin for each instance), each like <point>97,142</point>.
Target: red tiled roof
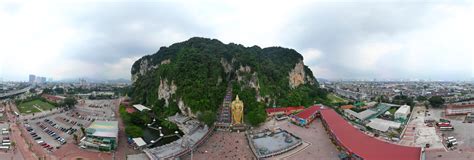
<point>271,110</point>
<point>305,114</point>
<point>283,109</point>
<point>365,146</point>
<point>460,106</point>
<point>51,97</point>
<point>347,106</point>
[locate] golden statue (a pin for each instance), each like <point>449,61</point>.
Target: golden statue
<point>237,111</point>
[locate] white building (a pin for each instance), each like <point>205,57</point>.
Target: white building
<point>383,125</point>
<point>402,112</point>
<point>140,107</point>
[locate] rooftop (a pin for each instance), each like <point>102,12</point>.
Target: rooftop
<point>361,115</point>
<point>308,112</point>
<point>405,109</point>
<point>363,145</point>
<point>283,109</point>
<point>139,141</point>
<point>460,106</point>
<point>383,125</point>
<point>140,107</point>
<point>103,129</point>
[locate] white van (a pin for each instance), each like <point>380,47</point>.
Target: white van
<point>450,138</point>
<point>6,144</point>
<point>454,143</point>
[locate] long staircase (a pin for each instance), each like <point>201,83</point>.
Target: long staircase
<point>224,115</point>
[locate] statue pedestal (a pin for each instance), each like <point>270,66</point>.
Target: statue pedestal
<point>239,127</point>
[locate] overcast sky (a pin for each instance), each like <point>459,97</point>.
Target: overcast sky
<point>339,40</point>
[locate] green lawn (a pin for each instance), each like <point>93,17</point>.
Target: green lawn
<point>336,99</point>
<point>28,107</point>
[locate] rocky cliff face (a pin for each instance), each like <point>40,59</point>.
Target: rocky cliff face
<point>193,75</point>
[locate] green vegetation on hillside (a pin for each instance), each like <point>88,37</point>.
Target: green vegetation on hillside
<point>195,67</point>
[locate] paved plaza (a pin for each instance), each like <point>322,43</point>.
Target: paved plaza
<point>319,145</point>
<point>418,134</point>
<point>223,145</point>
<point>269,143</point>
<point>463,132</point>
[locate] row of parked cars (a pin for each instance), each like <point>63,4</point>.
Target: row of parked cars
<point>69,130</point>
<point>451,142</point>
<point>50,132</point>
<point>45,145</point>
<point>5,145</point>
<point>32,132</point>
<point>38,138</point>
<point>73,122</point>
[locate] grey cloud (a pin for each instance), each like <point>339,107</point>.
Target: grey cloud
<point>337,29</point>
<point>112,38</point>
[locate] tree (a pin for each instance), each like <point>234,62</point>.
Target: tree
<point>421,98</point>
<point>75,137</point>
<point>47,90</point>
<point>83,130</point>
<point>436,101</point>
<point>208,117</point>
<point>133,131</point>
<point>70,102</point>
<point>257,115</point>
<point>59,90</point>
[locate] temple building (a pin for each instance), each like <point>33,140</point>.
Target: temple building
<point>306,116</point>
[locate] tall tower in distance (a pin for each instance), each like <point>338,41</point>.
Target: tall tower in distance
<point>32,79</point>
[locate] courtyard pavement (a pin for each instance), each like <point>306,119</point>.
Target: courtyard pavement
<point>320,146</point>
<point>417,134</point>
<point>223,145</point>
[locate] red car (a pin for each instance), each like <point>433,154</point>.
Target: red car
<point>46,146</point>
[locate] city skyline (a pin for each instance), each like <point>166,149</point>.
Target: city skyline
<point>339,40</point>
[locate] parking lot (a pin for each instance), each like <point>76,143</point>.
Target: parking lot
<point>418,134</point>
<point>462,131</point>
<point>5,137</point>
<point>55,130</point>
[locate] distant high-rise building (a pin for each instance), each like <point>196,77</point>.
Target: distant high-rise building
<point>32,78</point>
<point>40,79</point>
